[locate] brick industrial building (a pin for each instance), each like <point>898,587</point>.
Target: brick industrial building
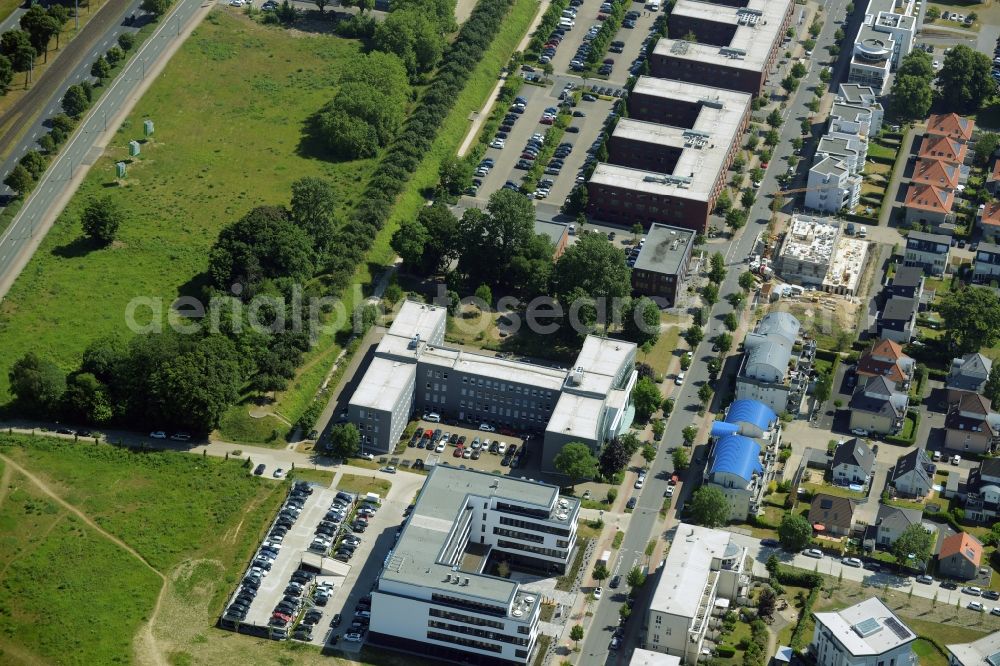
<point>668,159</point>
<point>735,43</point>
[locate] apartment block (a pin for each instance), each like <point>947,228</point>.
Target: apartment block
<point>414,372</point>
<point>832,186</point>
<point>703,566</point>
<point>886,36</point>
<point>859,95</point>
<point>435,595</point>
<point>865,634</point>
<point>807,250</point>
<point>768,373</point>
<point>662,264</point>
<point>668,160</point>
<point>734,47</point>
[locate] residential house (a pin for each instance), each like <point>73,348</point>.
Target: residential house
<point>986,266</point>
<point>967,375</point>
<point>928,251</point>
<point>908,282</point>
<point>982,500</point>
<point>971,426</point>
<point>878,407</point>
<point>892,521</point>
<point>865,634</point>
<point>852,462</point>
<point>992,184</point>
<point>937,173</point>
<point>898,319</point>
<point>988,217</point>
<point>734,467</point>
<point>885,358</point>
<point>928,205</point>
<point>982,652</point>
<point>960,556</point>
<point>835,515</point>
<point>943,148</point>
<point>950,125</point>
<point>912,476</point>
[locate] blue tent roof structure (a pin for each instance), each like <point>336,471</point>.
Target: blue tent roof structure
<point>736,454</point>
<point>721,428</point>
<point>751,411</point>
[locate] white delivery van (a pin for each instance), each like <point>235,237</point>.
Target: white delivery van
<point>653,5</point>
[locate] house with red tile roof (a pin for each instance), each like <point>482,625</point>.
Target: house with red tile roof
<point>989,221</point>
<point>943,148</point>
<point>927,204</point>
<point>885,358</point>
<point>993,179</point>
<point>960,556</point>
<point>951,125</point>
<point>939,173</point>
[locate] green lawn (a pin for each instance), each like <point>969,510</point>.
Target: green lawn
<point>830,489</point>
<point>227,139</point>
<point>237,426</point>
<point>354,483</point>
<point>56,568</point>
<point>876,149</point>
<point>928,654</point>
<point>659,357</point>
<point>195,519</point>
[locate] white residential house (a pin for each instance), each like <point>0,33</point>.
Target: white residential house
<point>852,462</point>
<point>911,476</point>
<point>865,634</point>
<point>982,652</point>
<point>831,186</point>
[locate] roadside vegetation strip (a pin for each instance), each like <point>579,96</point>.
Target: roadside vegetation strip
<point>225,141</point>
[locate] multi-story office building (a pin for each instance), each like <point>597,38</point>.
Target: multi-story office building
<point>928,251</point>
<point>662,264</point>
<point>865,634</point>
<point>886,36</point>
<point>734,47</point>
<point>703,565</point>
<point>435,595</point>
<point>668,160</point>
<point>767,373</point>
<point>983,652</point>
<point>413,371</point>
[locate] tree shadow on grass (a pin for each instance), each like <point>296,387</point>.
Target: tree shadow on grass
<point>76,248</point>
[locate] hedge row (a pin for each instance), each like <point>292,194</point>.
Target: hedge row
<point>549,22</point>
<point>403,157</point>
<point>798,636</point>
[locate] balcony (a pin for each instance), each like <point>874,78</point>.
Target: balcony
<point>705,606</point>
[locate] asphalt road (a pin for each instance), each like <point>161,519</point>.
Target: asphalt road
<point>644,521</point>
<point>19,240</point>
<point>44,98</point>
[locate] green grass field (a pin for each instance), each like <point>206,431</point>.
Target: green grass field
<point>226,140</point>
<point>68,594</point>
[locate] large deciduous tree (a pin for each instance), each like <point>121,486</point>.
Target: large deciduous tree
<point>345,440</point>
<point>313,208</point>
<point>971,319</point>
<point>576,461</point>
<point>101,219</point>
<point>37,384</point>
<point>794,532</point>
<point>965,79</point>
<point>709,507</point>
<point>913,546</point>
<point>646,397</point>
<point>641,322</point>
<point>911,97</point>
<point>593,267</point>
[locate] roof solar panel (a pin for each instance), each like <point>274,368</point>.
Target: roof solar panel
<point>867,627</point>
<point>897,628</point>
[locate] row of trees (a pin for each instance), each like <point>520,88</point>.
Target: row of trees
<point>20,48</point>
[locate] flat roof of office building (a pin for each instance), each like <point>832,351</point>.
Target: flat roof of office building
<point>758,28</point>
<point>517,372</point>
<point>688,566</point>
<point>383,384</point>
<point>852,112</point>
<point>600,359</point>
<point>554,231</point>
<point>417,318</point>
<point>642,657</point>
<point>665,249</point>
<point>418,557</point>
<point>576,416</point>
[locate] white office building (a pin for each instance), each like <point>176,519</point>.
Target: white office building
<point>886,36</point>
<point>413,371</point>
<point>704,574</point>
<point>435,595</point>
<point>865,634</point>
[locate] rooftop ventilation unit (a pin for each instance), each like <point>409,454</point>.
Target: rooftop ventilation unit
<point>414,341</point>
<point>668,179</point>
<point>679,47</point>
<point>730,52</point>
<point>712,102</point>
<point>696,139</point>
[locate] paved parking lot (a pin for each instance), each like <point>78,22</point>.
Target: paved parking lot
<point>487,461</point>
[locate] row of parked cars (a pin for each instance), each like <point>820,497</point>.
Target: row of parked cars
<point>330,526</point>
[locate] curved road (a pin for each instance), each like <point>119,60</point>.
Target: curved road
<point>63,175</point>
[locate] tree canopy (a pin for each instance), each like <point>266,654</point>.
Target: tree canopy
<point>576,461</point>
<point>913,546</point>
<point>912,96</point>
<point>709,507</point>
<point>102,218</point>
<point>641,323</point>
<point>794,532</point>
<point>594,268</point>
<point>345,440</point>
<point>37,384</point>
<point>646,397</point>
<point>965,79</point>
<point>614,458</point>
<point>313,207</point>
<point>971,319</point>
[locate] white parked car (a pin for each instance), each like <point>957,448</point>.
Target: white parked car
<point>680,379</point>
<point>813,552</point>
<point>956,459</point>
<point>486,427</point>
<point>851,562</point>
<point>440,447</point>
<point>598,592</point>
<point>502,448</point>
<point>158,434</point>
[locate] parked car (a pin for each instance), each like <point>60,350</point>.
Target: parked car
<point>632,501</point>
<point>972,591</point>
<point>976,606</point>
<point>925,579</point>
<point>260,470</point>
<point>769,543</point>
<point>851,562</point>
<point>813,552</point>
